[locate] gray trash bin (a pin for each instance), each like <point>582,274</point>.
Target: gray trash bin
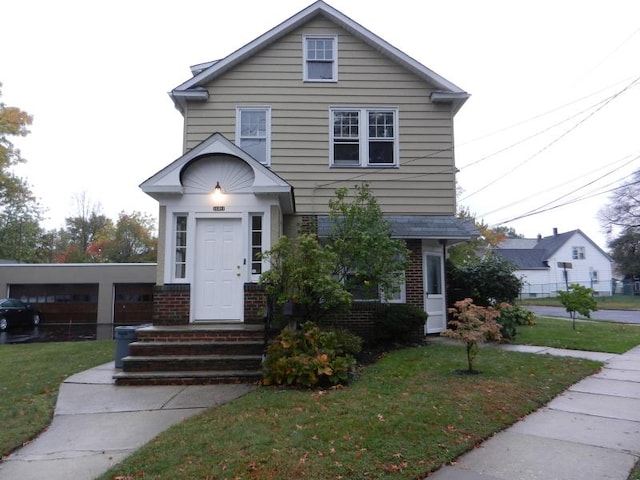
<point>124,336</point>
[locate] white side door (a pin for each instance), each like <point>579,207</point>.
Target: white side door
<point>434,299</point>
<point>218,284</point>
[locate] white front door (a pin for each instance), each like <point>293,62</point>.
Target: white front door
<point>434,303</point>
<point>218,289</point>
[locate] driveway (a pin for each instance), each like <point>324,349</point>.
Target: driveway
<point>621,316</point>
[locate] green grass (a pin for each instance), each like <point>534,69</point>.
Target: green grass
<point>616,302</point>
<point>29,380</point>
<point>407,415</point>
<point>595,336</point>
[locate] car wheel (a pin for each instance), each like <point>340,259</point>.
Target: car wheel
<point>3,324</point>
<point>36,319</point>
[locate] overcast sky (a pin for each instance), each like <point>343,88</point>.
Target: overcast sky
<point>554,116</point>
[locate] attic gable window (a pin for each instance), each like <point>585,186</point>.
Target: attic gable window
<point>578,253</point>
<point>320,58</point>
<point>253,132</point>
<point>364,137</point>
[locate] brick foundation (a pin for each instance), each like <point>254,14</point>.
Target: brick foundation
<point>255,301</point>
<point>171,304</point>
<point>414,279</point>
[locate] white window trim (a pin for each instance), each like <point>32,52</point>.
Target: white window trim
<point>267,110</point>
<point>363,140</point>
<point>578,253</point>
<point>174,244</point>
<point>256,276</point>
<point>334,75</point>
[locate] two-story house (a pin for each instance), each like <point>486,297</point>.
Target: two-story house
<point>270,131</point>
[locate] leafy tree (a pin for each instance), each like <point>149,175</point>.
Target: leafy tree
<point>472,325</point>
<point>132,241</point>
<point>20,214</point>
<point>489,281</point>
<point>578,299</point>
<point>88,225</point>
<point>367,254</point>
<point>625,251</point>
<point>475,249</point>
<point>301,273</point>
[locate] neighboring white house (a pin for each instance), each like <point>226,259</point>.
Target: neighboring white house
<point>549,264</point>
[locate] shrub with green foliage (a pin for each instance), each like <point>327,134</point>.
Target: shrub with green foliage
<point>309,357</point>
<point>398,323</point>
<point>488,282</point>
<point>512,316</point>
<point>578,299</point>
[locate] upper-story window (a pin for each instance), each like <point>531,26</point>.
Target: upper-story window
<point>578,253</point>
<point>320,58</point>
<point>253,132</point>
<point>364,137</point>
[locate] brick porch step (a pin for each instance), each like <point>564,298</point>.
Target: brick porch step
<point>186,378</point>
<point>194,354</point>
<point>159,348</point>
<point>173,363</point>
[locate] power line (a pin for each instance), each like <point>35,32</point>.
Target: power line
<point>586,197</point>
<point>512,203</point>
<point>557,139</point>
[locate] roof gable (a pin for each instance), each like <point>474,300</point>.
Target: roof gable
<point>169,180</point>
<point>194,88</point>
<point>537,256</point>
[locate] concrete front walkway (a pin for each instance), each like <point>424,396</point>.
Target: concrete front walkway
<point>97,424</point>
<point>591,431</point>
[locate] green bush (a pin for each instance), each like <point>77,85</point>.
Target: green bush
<point>309,357</point>
<point>489,281</point>
<point>512,316</point>
<point>398,323</point>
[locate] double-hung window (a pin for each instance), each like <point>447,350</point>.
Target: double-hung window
<point>253,132</point>
<point>578,253</point>
<point>320,58</point>
<point>364,137</point>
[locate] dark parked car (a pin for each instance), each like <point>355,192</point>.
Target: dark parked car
<point>14,312</point>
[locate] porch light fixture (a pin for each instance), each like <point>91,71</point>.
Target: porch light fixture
<point>217,193</point>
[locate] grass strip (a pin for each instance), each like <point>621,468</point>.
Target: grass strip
<point>29,381</point>
<point>589,335</point>
<point>405,416</point>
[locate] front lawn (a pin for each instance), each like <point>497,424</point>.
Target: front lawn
<point>407,415</point>
<point>29,380</point>
<point>595,336</point>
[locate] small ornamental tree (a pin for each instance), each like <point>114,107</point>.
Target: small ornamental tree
<point>472,325</point>
<point>578,299</point>
<point>301,273</point>
<point>366,253</point>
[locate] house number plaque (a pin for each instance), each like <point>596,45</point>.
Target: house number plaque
<point>218,209</point>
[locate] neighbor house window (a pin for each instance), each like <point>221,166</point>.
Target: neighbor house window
<point>578,253</point>
<point>364,137</point>
<point>181,247</point>
<point>256,244</point>
<point>320,58</point>
<point>253,132</point>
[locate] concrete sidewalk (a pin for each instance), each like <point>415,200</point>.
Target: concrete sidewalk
<point>97,424</point>
<point>591,431</point>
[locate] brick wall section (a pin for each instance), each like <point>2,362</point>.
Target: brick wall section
<point>309,224</point>
<point>414,280</point>
<point>255,301</point>
<point>171,304</point>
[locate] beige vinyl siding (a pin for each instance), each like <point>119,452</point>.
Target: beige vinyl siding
<point>424,182</point>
